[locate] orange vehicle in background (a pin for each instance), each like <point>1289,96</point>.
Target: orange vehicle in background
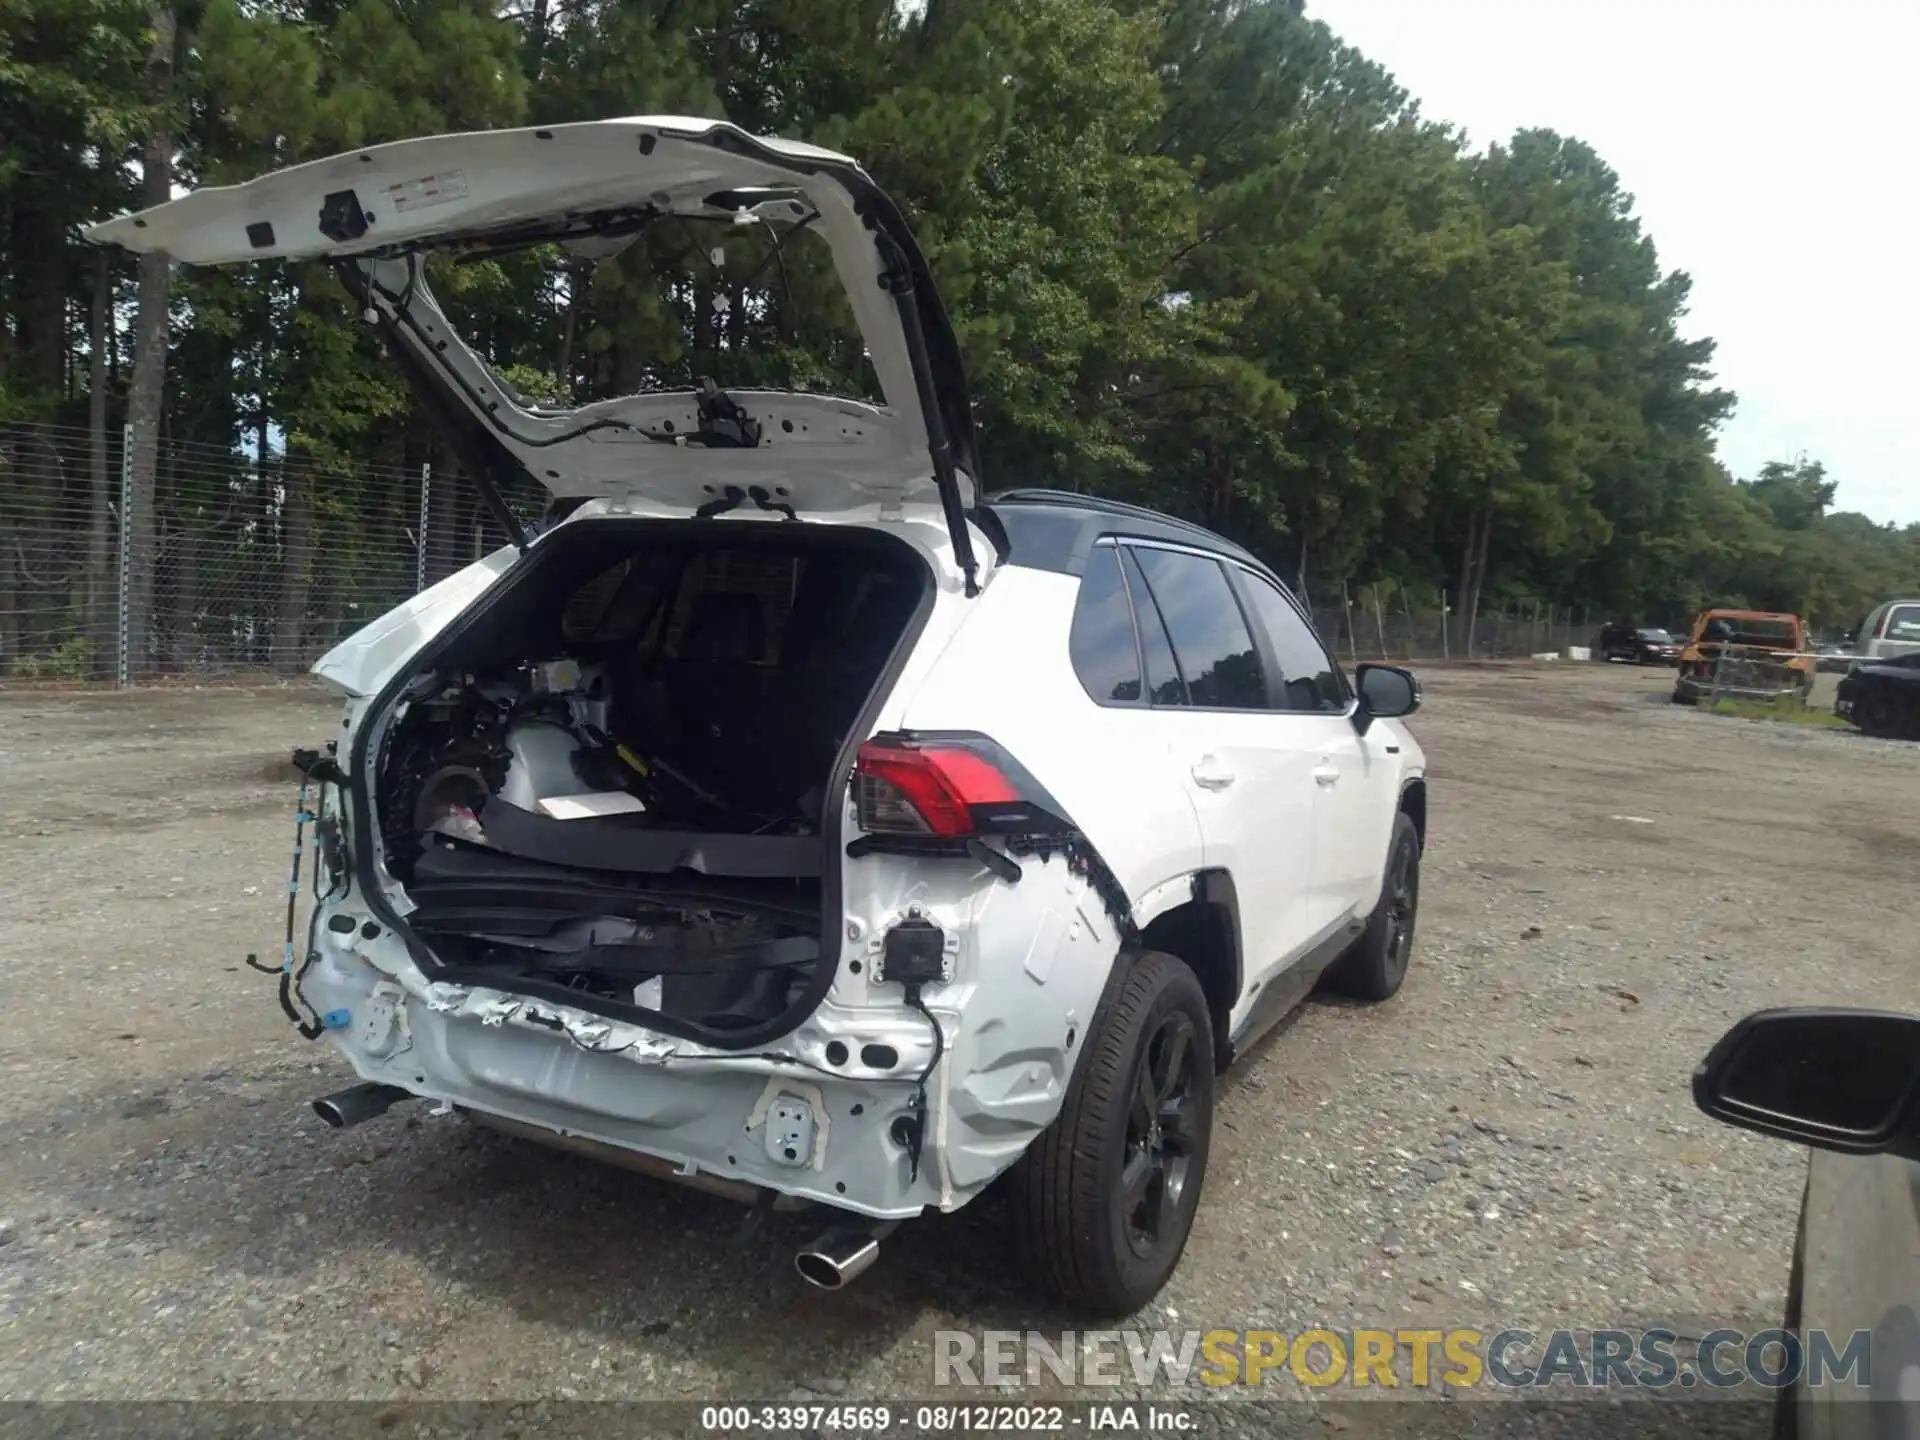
<point>1745,655</point>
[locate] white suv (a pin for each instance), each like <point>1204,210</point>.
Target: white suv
<point>1890,631</point>
<point>785,817</point>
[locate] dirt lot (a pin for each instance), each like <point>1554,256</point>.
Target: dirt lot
<point>1610,882</point>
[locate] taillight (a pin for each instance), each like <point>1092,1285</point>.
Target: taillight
<point>947,787</point>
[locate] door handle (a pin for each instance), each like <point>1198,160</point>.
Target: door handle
<point>1326,775</point>
<point>1209,776</point>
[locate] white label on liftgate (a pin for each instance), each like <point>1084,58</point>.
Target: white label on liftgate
<point>428,190</point>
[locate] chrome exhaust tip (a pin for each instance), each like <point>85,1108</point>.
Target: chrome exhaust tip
<point>357,1103</point>
<point>840,1256</point>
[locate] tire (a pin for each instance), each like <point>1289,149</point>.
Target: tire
<point>1140,1103</point>
<point>1877,714</point>
<point>1377,963</point>
<point>1685,695</point>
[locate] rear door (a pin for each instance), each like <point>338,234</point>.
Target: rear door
<point>1249,769</point>
<point>1150,828</point>
<point>1355,776</point>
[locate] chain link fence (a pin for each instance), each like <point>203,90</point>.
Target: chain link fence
<point>252,566</point>
<point>1383,622</point>
<point>255,566</point>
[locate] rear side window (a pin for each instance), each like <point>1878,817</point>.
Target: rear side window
<point>1106,653</point>
<point>1164,685</point>
<point>1211,643</point>
<point>1308,678</point>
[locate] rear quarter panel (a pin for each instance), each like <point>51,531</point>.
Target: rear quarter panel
<point>363,662</point>
<point>1006,673</point>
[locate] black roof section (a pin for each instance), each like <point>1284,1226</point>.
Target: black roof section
<point>1055,529</point>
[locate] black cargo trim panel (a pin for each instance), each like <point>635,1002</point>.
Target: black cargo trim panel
<point>616,843</point>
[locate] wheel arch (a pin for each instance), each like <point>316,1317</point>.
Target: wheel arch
<point>1413,804</point>
<point>1202,930</point>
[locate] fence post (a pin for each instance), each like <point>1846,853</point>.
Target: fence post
<point>426,513</point>
<point>1446,640</point>
<point>1346,612</point>
<point>126,550</point>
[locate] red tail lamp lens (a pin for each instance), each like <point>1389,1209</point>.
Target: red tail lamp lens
<point>913,790</point>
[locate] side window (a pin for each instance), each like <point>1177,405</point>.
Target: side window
<point>1308,678</point>
<point>1211,642</point>
<point>1106,654</point>
<point>1164,685</point>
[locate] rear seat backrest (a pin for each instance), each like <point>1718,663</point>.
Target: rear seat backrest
<point>727,626</point>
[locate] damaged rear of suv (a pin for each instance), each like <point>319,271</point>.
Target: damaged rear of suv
<point>611,791</point>
<point>784,817</point>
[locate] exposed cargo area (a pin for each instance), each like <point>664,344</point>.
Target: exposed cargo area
<point>614,783</point>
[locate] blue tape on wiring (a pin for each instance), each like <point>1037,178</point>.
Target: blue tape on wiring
<point>336,1019</point>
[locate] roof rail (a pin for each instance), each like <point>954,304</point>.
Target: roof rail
<point>1101,505</point>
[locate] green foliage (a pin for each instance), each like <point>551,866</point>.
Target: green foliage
<point>71,659</point>
<point>1198,252</point>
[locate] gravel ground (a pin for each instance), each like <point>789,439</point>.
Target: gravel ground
<point>1610,881</point>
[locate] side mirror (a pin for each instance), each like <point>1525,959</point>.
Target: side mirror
<point>1385,692</point>
<point>1846,1080</point>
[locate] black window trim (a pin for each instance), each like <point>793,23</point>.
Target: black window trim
<point>1254,632</point>
<point>1128,564</point>
<point>1133,620</point>
<point>1237,575</point>
<point>1234,570</point>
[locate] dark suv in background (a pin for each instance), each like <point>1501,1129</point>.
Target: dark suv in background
<point>1638,645</point>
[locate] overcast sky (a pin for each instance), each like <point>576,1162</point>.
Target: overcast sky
<point>1770,151</point>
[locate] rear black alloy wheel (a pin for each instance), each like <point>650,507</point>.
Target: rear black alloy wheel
<point>1377,963</point>
<point>1159,1153</point>
<point>1104,1198</point>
